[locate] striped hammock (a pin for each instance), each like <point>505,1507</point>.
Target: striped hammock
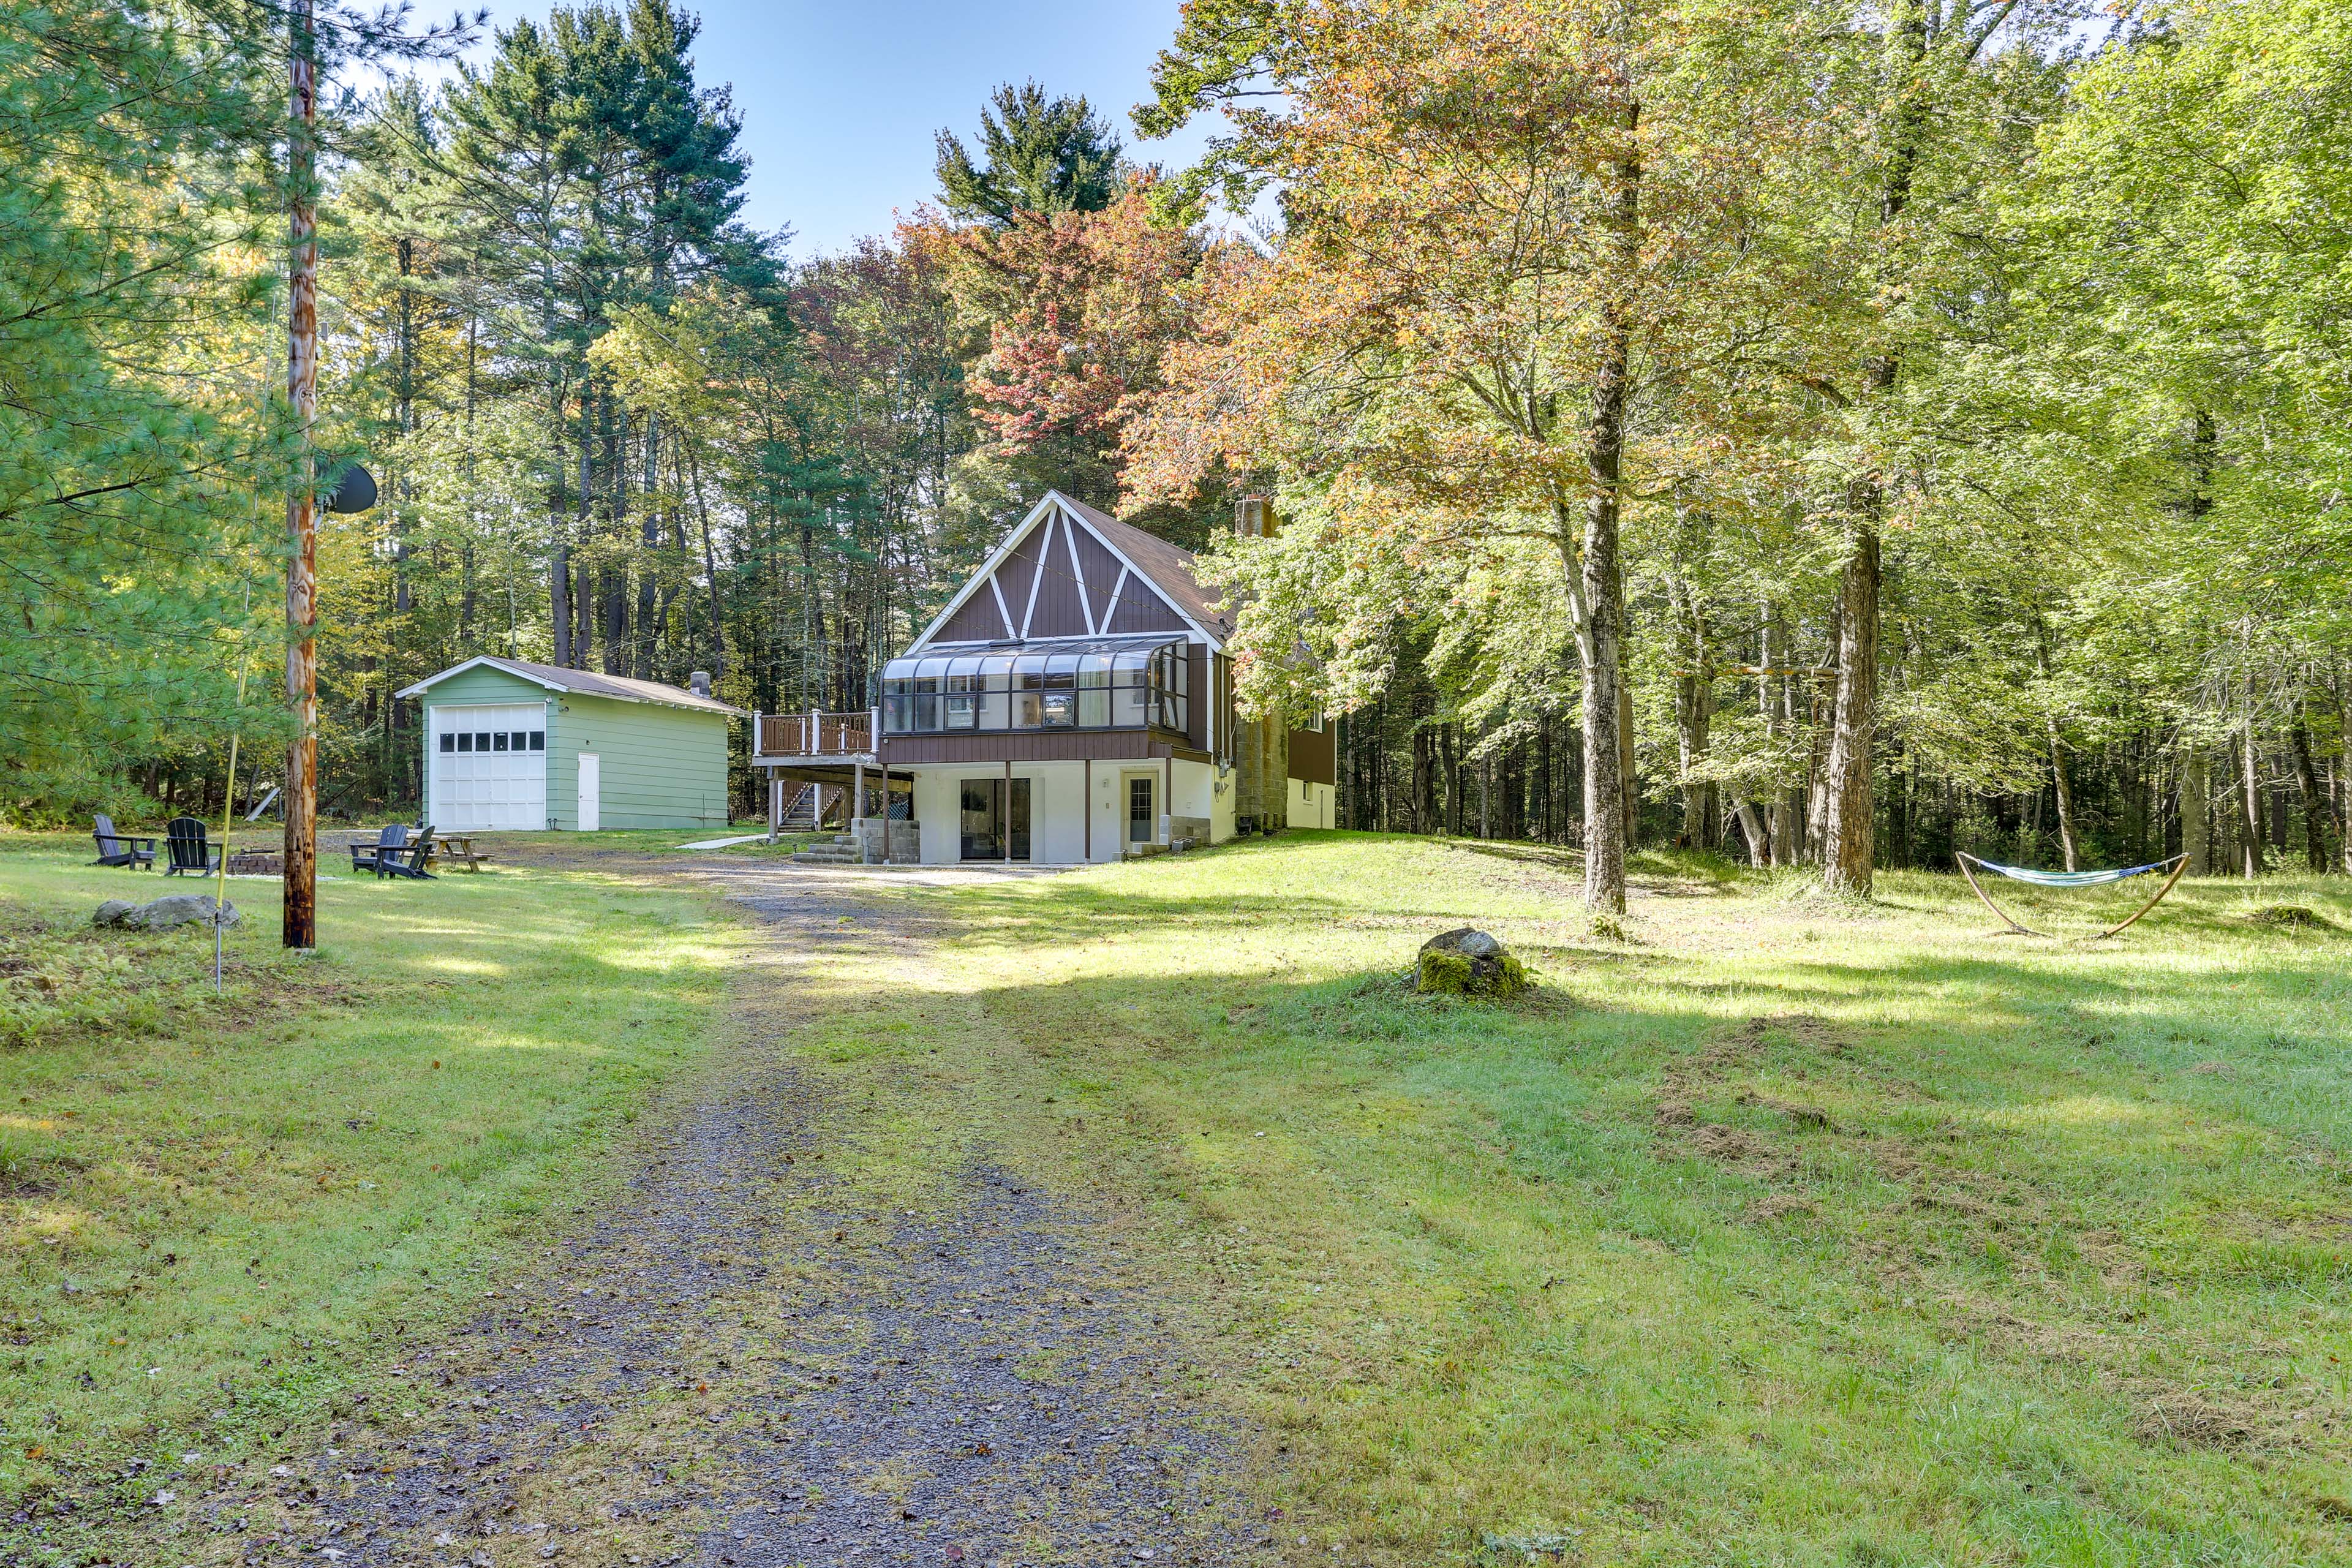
<point>2068,879</point>
<point>1969,864</point>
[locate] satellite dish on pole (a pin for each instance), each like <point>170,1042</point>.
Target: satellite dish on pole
<point>355,491</point>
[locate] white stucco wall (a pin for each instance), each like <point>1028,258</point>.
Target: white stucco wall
<point>1313,804</point>
<point>1057,833</point>
<point>1223,786</point>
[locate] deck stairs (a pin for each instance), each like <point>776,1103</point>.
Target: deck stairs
<point>809,808</point>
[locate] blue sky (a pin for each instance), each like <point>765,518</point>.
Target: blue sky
<point>840,101</point>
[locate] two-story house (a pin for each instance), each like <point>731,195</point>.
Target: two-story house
<point>1072,702</point>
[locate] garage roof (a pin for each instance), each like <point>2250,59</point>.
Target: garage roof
<point>584,683</point>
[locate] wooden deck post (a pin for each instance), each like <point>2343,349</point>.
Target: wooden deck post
<point>857,803</point>
<point>775,804</point>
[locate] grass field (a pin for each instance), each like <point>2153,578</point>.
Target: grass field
<point>210,1209</point>
<point>1778,1232</point>
<point>1771,1231</point>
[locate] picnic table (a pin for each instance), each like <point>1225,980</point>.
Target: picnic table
<point>459,846</point>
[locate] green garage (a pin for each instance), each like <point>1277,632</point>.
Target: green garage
<point>513,746</point>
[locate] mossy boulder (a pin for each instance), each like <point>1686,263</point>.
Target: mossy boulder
<point>1468,962</point>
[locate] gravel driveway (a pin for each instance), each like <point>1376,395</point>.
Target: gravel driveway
<point>744,1360</point>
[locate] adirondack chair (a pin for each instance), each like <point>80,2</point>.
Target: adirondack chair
<point>184,838</point>
<point>120,849</point>
<point>365,851</point>
<point>409,859</point>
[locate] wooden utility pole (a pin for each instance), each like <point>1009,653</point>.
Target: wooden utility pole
<point>301,924</point>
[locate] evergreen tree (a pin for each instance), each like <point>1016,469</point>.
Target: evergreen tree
<point>1036,155</point>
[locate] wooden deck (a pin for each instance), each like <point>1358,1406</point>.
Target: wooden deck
<point>785,739</point>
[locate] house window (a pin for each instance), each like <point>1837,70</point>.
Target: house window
<point>449,742</point>
<point>465,740</point>
<point>539,739</point>
<point>1057,686</point>
<point>499,739</point>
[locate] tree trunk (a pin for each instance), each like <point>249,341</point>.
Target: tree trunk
<point>1847,843</point>
<point>2066,846</point>
<point>2314,801</point>
<point>2250,790</point>
<point>1772,697</point>
<point>1847,847</point>
<point>1752,827</point>
<point>1601,643</point>
<point>298,924</point>
<point>2196,794</point>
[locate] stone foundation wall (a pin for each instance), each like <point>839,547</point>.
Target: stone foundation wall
<point>906,842</point>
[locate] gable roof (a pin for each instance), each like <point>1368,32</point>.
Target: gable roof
<point>1166,569</point>
<point>582,683</point>
<point>1169,566</point>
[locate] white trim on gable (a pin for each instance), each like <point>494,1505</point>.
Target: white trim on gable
<point>987,572</point>
<point>1110,611</point>
<point>996,592</point>
<point>1037,577</point>
<point>1127,568</point>
<point>480,659</point>
<point>1054,501</point>
<point>1078,574</point>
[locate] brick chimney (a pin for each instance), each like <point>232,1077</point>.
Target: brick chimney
<point>699,682</point>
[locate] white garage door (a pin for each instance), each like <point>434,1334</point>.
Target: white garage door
<point>489,767</point>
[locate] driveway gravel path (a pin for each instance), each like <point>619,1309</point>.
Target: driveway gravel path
<point>743,1360</point>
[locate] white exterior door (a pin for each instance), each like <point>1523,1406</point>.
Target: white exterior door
<point>591,791</point>
<point>489,767</point>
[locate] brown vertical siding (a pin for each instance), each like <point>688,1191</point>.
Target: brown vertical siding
<point>1141,609</point>
<point>976,621</point>
<point>1100,568</point>
<point>1314,755</point>
<point>1201,708</point>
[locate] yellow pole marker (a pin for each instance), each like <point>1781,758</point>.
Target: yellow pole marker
<point>229,806</point>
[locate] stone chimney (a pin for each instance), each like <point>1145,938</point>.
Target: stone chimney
<point>699,682</point>
<point>1261,746</point>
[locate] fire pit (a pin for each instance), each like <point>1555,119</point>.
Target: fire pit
<point>256,863</point>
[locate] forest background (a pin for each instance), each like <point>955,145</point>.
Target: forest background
<point>1839,434</point>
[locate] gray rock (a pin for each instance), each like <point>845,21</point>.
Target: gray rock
<point>1468,942</point>
<point>163,914</point>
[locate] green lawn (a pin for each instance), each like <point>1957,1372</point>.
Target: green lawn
<point>207,1207</point>
<point>1782,1232</point>
<point>1778,1232</point>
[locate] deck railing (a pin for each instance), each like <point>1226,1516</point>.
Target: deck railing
<point>815,734</point>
